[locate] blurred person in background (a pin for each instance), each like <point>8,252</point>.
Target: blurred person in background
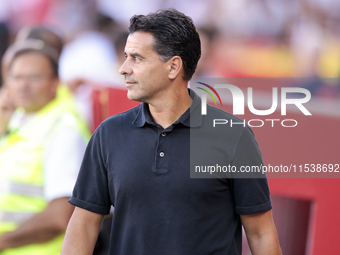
<point>48,37</point>
<point>42,142</point>
<point>90,56</point>
<point>87,61</point>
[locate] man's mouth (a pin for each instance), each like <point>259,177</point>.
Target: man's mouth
<point>130,83</point>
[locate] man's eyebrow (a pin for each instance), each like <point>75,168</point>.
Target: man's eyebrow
<point>135,55</point>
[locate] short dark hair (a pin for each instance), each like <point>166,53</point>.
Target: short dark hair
<point>175,35</point>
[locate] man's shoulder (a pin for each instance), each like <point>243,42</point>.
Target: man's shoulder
<point>121,120</point>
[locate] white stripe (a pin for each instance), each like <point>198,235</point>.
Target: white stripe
<point>22,189</point>
<point>14,217</point>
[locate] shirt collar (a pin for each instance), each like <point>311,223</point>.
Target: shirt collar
<point>191,118</point>
<point>143,116</point>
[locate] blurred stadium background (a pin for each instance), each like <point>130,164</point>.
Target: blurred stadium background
<point>298,39</point>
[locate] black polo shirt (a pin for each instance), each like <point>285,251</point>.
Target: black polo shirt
<point>144,171</point>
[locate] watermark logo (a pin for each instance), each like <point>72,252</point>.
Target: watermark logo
<point>209,93</point>
<point>239,99</point>
<point>213,90</point>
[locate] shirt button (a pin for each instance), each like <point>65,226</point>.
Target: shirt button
<point>163,134</point>
<point>161,154</point>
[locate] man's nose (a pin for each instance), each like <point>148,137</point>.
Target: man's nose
<point>125,68</point>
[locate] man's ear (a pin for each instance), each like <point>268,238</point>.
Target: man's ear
<point>175,67</point>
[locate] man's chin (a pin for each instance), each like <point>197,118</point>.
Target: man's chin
<point>132,96</point>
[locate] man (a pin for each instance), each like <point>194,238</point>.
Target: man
<point>41,146</point>
<point>138,161</point>
<point>32,35</point>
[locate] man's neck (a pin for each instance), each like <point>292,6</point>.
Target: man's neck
<point>167,109</point>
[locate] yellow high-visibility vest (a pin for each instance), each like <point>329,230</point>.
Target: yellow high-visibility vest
<point>21,170</point>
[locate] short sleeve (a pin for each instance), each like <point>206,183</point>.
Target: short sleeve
<point>91,191</point>
<point>251,195</point>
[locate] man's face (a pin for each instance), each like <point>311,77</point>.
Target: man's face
<point>31,82</point>
<point>146,76</point>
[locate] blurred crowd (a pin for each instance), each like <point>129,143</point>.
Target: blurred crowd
<point>55,51</point>
<point>244,38</point>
